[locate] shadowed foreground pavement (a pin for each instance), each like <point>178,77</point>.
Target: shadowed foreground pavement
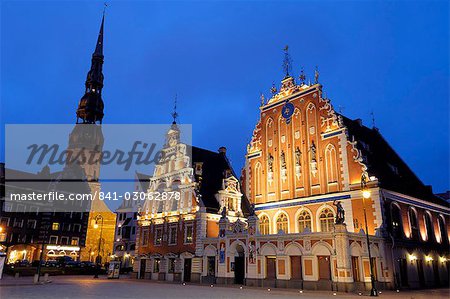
<point>86,287</point>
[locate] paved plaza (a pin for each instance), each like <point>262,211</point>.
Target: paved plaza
<point>86,287</point>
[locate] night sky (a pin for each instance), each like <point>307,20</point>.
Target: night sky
<point>391,58</point>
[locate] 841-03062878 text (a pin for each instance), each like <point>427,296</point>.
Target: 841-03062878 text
<point>164,195</point>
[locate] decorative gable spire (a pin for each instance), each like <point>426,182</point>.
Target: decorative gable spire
<point>287,62</point>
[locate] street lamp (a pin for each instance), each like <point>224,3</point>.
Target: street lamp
<point>366,195</point>
<point>98,218</point>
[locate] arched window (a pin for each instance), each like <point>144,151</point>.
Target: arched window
<point>257,176</point>
<point>429,227</point>
<point>326,219</point>
<point>414,225</point>
<point>331,164</point>
<point>396,221</point>
<point>264,225</point>
<point>282,223</point>
<point>304,221</point>
<point>442,229</point>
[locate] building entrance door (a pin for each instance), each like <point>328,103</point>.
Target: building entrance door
<point>239,269</point>
<point>296,267</point>
<point>239,265</point>
<point>355,268</point>
<point>403,272</point>
<point>437,280</point>
<point>271,268</point>
<point>420,272</point>
<point>142,269</point>
<point>324,267</point>
<point>187,270</point>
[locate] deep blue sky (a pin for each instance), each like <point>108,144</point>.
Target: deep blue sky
<point>391,58</point>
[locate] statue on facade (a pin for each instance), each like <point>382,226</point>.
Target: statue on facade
<point>298,155</point>
<point>270,162</point>
<point>340,215</point>
<point>313,151</point>
<point>283,160</point>
<point>316,75</point>
<point>224,212</point>
<point>263,99</point>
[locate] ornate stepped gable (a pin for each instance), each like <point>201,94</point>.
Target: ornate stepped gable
<point>318,150</point>
<point>203,178</point>
<point>302,154</point>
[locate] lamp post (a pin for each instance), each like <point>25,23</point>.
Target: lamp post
<point>366,195</point>
<point>98,218</point>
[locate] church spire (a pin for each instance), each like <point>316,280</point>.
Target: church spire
<point>90,108</point>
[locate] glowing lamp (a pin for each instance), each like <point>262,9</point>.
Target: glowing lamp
<point>443,259</point>
<point>95,225</point>
<point>412,258</point>
<point>366,193</point>
<point>428,259</point>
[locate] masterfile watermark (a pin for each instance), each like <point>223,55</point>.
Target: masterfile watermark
<point>67,168</point>
<point>141,153</point>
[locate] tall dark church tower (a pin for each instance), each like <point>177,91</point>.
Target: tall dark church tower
<point>90,108</point>
<point>86,139</point>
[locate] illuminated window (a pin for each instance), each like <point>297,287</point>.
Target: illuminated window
<point>326,218</point>
<point>55,226</point>
<point>304,221</point>
<point>74,241</point>
<point>429,226</point>
<point>189,234</point>
<point>414,225</point>
<point>173,235</point>
<point>156,265</point>
<point>396,221</point>
<point>282,223</point>
<point>264,225</point>
<point>158,236</point>
<point>442,229</point>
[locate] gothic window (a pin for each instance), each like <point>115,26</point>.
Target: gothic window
<point>414,225</point>
<point>282,223</point>
<point>331,164</point>
<point>304,221</point>
<point>173,235</point>
<point>442,229</point>
<point>158,236</point>
<point>396,221</point>
<point>429,226</point>
<point>144,241</point>
<point>188,233</point>
<point>257,176</point>
<point>264,225</point>
<point>326,219</point>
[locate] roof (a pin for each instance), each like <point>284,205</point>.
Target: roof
<point>214,169</point>
<point>144,180</point>
<point>385,164</point>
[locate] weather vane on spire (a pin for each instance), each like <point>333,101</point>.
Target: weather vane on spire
<point>174,113</point>
<point>287,62</point>
<point>105,5</point>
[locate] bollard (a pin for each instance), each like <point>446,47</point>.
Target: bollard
<point>46,277</point>
<point>36,278</point>
<point>16,275</point>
